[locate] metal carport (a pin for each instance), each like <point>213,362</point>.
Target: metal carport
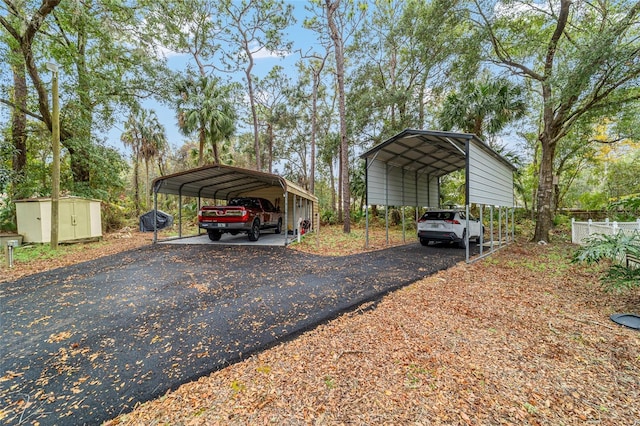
<point>221,182</point>
<point>405,170</point>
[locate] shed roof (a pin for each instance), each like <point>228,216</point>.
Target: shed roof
<point>432,152</point>
<point>217,181</point>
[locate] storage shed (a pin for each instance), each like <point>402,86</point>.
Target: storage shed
<point>79,219</point>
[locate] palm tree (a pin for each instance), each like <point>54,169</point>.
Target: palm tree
<point>483,108</point>
<point>204,107</point>
<point>153,144</point>
<point>132,138</point>
<point>147,139</point>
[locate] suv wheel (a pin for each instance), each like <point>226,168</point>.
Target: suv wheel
<point>463,242</point>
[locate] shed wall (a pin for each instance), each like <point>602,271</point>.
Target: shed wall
<point>305,208</point>
<point>392,186</point>
<point>490,180</point>
<point>428,191</point>
<point>78,218</point>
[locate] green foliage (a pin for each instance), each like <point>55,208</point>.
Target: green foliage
<point>601,246</point>
<point>328,217</point>
<point>7,215</point>
<point>620,278</point>
<point>113,217</point>
<point>614,248</point>
<point>357,216</point>
<point>561,220</point>
<point>484,107</point>
<point>452,189</point>
<point>595,200</point>
<point>205,109</point>
<point>627,207</point>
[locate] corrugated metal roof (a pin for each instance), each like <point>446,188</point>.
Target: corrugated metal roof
<point>431,152</point>
<point>222,182</point>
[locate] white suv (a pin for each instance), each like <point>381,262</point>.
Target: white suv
<point>448,225</point>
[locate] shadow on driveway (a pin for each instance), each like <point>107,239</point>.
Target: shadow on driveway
<point>85,343</point>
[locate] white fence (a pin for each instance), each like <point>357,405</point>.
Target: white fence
<point>581,230</point>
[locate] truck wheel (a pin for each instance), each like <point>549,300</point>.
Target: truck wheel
<point>254,233</point>
<point>278,229</point>
<point>424,241</point>
<point>214,235</point>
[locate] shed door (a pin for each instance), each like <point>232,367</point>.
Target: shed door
<point>73,220</point>
<point>66,230</point>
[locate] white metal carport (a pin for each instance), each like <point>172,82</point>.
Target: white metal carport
<point>405,170</point>
<point>221,182</point>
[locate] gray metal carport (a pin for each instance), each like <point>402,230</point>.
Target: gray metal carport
<point>405,170</point>
<point>221,182</point>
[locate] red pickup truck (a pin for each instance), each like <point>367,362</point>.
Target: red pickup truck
<point>244,214</point>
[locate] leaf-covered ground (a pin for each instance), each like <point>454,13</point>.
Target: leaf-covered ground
<point>83,343</point>
<point>521,337</point>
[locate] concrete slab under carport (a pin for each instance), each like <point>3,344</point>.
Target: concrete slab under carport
<point>268,238</point>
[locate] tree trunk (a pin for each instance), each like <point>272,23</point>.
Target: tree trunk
<point>18,117</point>
<point>314,130</point>
<point>332,179</point>
<point>534,190</point>
<point>201,139</point>
<point>271,137</point>
<point>147,193</point>
<point>136,184</point>
<point>344,146</point>
<point>80,160</point>
<point>340,205</point>
<point>545,194</point>
<point>254,114</point>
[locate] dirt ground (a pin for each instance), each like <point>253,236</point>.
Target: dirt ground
<point>520,337</point>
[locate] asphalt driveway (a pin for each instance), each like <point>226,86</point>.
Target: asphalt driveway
<point>84,343</point>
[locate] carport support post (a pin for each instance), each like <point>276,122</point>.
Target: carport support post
<point>466,235</point>
<point>180,214</point>
<point>386,200</point>
<point>366,203</point>
<point>499,226</point>
<point>155,217</point>
<point>286,218</point>
<point>491,226</point>
<point>506,225</point>
<point>481,229</point>
<point>404,238</point>
<point>366,226</point>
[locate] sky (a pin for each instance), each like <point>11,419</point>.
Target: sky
<point>303,40</point>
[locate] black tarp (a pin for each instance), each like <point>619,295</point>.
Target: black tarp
<point>165,220</point>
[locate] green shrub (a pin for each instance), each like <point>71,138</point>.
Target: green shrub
<point>328,217</point>
<point>618,278</point>
<point>625,208</point>
<point>7,216</point>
